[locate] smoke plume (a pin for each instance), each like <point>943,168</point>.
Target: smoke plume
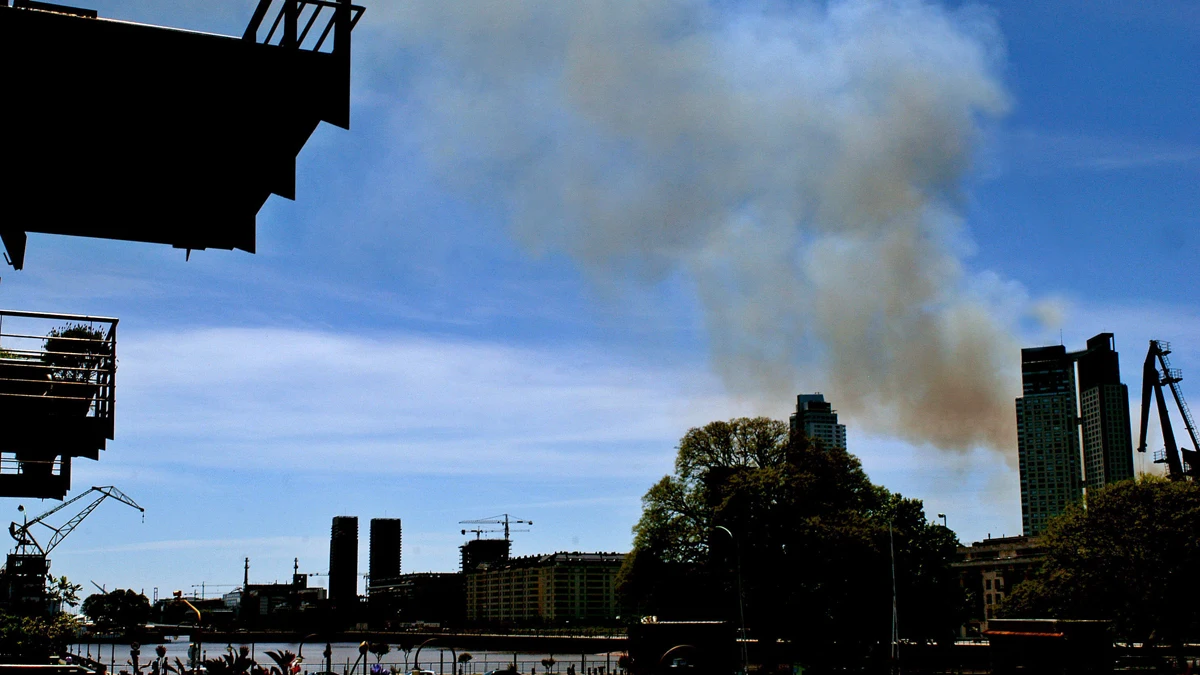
<point>800,163</point>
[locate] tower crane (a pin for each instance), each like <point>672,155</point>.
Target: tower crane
<point>479,531</point>
<point>502,519</point>
<point>1154,379</point>
<point>28,545</point>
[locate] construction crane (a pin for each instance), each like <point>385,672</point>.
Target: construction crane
<point>479,531</point>
<point>1179,463</point>
<point>502,519</point>
<point>28,545</point>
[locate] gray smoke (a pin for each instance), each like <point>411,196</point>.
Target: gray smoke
<point>800,163</point>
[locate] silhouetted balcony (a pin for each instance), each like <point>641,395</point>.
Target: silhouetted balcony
<point>57,396</point>
<point>130,131</point>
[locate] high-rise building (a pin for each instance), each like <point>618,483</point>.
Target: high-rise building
<point>384,559</point>
<point>1050,416</point>
<point>1047,436</point>
<point>816,419</point>
<point>343,562</point>
<point>1104,412</point>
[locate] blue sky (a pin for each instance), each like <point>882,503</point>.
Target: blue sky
<point>555,238</point>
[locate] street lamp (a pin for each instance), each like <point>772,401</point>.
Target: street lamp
<point>943,517</point>
<point>741,609</point>
<point>194,650</point>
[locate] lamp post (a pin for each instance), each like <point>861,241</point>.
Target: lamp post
<point>741,608</point>
<point>194,650</point>
<point>943,517</point>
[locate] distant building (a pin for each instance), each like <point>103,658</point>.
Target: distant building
<point>1051,414</point>
<point>420,598</point>
<point>1104,412</point>
<point>384,563</point>
<point>478,552</point>
<point>817,420</point>
<point>1047,437</point>
<point>989,569</point>
<point>546,589</point>
<point>343,562</point>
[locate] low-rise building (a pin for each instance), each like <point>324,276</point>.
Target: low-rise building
<point>989,569</point>
<point>546,589</point>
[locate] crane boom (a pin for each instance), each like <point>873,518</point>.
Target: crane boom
<point>502,519</point>
<point>25,539</point>
<point>1153,379</point>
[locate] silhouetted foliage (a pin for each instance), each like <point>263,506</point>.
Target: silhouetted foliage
<point>231,663</point>
<point>121,609</point>
<point>34,638</point>
<point>1130,557</point>
<point>812,536</point>
<point>285,662</point>
<point>74,350</point>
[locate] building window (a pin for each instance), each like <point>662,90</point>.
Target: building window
<point>988,598</point>
<point>987,584</point>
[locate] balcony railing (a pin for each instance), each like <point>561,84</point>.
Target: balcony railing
<point>59,366</point>
<point>295,20</point>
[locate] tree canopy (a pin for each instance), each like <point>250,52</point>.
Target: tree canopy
<point>810,534</point>
<point>120,609</point>
<point>1130,557</point>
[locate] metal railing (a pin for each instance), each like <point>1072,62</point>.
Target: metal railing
<point>294,13</point>
<point>61,365</point>
<point>11,466</point>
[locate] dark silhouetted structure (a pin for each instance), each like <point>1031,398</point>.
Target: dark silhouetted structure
<point>478,552</point>
<point>145,133</point>
<point>420,598</point>
<point>1047,436</point>
<point>1104,413</point>
<point>57,398</point>
<point>1181,462</point>
<point>385,555</point>
<point>343,563</point>
<point>383,569</point>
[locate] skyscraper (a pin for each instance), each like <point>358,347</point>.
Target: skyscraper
<point>1047,436</point>
<point>1104,412</point>
<point>384,563</point>
<point>343,562</point>
<point>817,420</point>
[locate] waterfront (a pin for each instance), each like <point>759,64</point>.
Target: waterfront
<point>344,655</point>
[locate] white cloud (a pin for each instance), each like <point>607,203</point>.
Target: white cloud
<point>256,397</point>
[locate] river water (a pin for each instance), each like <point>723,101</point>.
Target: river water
<point>345,654</point>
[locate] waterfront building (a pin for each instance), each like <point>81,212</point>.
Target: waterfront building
<point>816,419</point>
<point>988,570</point>
<point>384,558</point>
<point>1104,413</point>
<point>1047,436</point>
<point>418,599</point>
<point>343,562</point>
<point>546,589</point>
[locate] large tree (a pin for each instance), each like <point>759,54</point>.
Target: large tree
<point>1130,556</point>
<point>121,609</point>
<point>813,537</point>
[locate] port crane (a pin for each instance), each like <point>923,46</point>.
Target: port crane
<point>1157,373</point>
<point>27,544</point>
<point>502,519</point>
